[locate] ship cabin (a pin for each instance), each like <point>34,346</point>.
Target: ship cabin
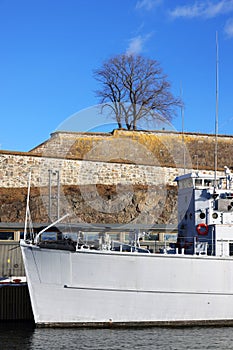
<point>205,214</point>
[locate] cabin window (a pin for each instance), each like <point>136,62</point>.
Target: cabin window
<point>198,182</point>
<point>208,183</point>
<point>230,249</point>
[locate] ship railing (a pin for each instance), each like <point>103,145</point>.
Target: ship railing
<point>125,247</point>
<point>38,235</point>
<point>187,245</point>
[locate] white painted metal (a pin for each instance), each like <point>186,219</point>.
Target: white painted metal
<point>104,286</point>
<point>112,287</point>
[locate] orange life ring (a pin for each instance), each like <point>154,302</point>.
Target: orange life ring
<point>202,229</point>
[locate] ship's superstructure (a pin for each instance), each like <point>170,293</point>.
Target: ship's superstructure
<point>205,214</point>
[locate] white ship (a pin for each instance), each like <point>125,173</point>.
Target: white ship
<point>73,284</point>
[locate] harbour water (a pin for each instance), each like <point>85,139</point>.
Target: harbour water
<point>22,336</point>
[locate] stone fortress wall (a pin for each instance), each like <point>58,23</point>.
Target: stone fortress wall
<point>14,170</point>
<point>118,177</point>
<point>122,157</point>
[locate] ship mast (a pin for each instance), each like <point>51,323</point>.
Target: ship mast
<point>216,120</point>
<point>182,117</point>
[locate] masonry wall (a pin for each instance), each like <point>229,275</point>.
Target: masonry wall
<point>161,148</point>
<point>14,171</point>
<point>120,157</point>
<point>106,178</point>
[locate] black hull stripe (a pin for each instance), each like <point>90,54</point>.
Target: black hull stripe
<point>148,291</point>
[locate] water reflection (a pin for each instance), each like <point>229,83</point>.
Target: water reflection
<point>23,336</point>
<point>16,335</point>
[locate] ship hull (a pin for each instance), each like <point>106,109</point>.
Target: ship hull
<point>104,288</point>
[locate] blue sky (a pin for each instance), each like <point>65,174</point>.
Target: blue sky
<point>49,49</point>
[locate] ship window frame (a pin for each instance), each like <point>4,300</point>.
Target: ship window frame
<point>208,183</point>
<point>230,249</point>
<point>198,182</point>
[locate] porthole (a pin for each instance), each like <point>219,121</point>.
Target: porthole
<point>215,215</point>
<point>202,215</point>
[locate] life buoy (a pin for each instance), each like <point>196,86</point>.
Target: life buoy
<point>202,229</point>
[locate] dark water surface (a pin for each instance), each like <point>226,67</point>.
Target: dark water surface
<point>24,336</point>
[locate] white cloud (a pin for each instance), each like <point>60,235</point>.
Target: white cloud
<point>188,11</point>
<point>147,4</point>
<point>136,44</point>
<point>205,9</point>
<point>229,28</point>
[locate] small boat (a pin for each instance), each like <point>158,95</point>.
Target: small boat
<point>13,280</point>
<point>109,283</point>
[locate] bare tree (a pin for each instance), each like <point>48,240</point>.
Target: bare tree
<point>135,88</point>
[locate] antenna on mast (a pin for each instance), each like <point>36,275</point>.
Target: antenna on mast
<point>182,117</point>
<point>216,120</point>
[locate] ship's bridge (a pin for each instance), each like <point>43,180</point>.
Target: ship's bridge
<point>199,181</point>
